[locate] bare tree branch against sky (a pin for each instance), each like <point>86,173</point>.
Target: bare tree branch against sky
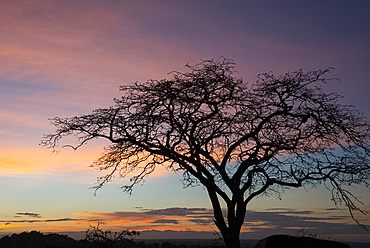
<point>64,58</point>
<point>238,140</point>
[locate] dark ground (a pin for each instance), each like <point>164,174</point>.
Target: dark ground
<point>36,239</point>
<point>245,243</point>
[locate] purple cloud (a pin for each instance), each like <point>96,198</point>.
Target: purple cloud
<point>34,215</point>
<point>165,221</point>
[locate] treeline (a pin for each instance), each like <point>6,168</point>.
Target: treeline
<point>36,239</point>
<point>95,238</point>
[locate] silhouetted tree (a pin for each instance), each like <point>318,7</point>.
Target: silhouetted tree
<point>108,239</point>
<point>237,140</point>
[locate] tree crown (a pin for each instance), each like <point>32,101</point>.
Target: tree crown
<point>282,131</point>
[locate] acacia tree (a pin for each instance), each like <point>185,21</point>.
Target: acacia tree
<point>238,140</point>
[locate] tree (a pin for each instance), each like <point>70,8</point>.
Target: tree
<point>107,239</point>
<point>238,140</point>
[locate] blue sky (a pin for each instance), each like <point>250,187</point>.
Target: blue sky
<point>64,58</point>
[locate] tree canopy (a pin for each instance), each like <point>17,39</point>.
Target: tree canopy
<point>238,140</point>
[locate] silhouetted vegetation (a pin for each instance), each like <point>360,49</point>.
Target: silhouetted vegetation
<point>98,238</point>
<point>287,241</point>
<point>238,140</point>
<point>36,239</point>
<point>95,238</point>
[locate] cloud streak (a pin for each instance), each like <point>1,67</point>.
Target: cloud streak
<point>329,220</point>
<point>200,220</point>
<point>34,215</point>
<point>9,222</point>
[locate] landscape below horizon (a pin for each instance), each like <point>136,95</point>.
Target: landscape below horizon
<point>36,239</point>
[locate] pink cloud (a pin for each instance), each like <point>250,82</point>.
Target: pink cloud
<point>69,45</point>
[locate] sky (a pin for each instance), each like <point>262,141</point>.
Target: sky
<point>66,58</point>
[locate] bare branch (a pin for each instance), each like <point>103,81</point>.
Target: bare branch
<point>239,140</point>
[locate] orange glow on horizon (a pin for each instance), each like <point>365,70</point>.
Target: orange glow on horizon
<point>42,161</point>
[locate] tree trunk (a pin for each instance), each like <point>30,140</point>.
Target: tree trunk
<point>231,239</point>
<point>231,232</point>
